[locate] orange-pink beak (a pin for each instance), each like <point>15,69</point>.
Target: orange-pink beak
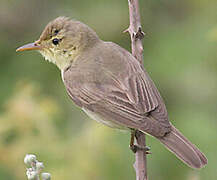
<point>30,46</point>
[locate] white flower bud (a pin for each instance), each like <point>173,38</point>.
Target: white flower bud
<point>45,176</point>
<point>39,166</point>
<point>29,159</point>
<point>32,175</point>
<point>35,169</point>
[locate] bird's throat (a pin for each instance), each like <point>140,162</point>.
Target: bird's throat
<point>62,61</point>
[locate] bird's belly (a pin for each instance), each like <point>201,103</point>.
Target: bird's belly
<point>99,119</point>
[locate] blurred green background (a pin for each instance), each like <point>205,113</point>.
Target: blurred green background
<point>37,116</point>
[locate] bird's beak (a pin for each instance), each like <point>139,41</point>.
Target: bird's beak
<point>30,46</point>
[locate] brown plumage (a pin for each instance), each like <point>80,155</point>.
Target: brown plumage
<point>110,85</point>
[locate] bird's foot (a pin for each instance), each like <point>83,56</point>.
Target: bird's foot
<point>135,148</point>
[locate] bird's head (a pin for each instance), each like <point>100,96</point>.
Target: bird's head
<point>62,41</point>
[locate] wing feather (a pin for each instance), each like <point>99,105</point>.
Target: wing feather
<point>128,98</point>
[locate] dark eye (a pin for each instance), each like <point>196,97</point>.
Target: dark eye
<point>56,32</point>
<point>55,41</point>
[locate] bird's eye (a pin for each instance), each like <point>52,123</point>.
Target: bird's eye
<point>55,41</point>
<point>56,32</point>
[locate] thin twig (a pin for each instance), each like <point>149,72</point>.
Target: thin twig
<point>137,35</point>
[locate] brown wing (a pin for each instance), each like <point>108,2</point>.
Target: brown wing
<point>126,97</point>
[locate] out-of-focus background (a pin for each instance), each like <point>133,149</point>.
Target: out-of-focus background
<point>37,116</point>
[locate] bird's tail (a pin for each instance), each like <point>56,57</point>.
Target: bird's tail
<point>184,149</point>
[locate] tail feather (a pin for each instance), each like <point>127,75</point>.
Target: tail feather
<point>184,149</point>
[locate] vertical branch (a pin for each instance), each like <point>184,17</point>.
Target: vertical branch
<point>137,35</point>
<point>140,164</point>
<point>135,30</point>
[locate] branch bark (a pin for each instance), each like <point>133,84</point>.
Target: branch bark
<point>137,35</point>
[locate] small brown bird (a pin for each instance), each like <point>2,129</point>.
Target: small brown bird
<point>110,85</point>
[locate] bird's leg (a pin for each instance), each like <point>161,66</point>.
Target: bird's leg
<point>134,147</point>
